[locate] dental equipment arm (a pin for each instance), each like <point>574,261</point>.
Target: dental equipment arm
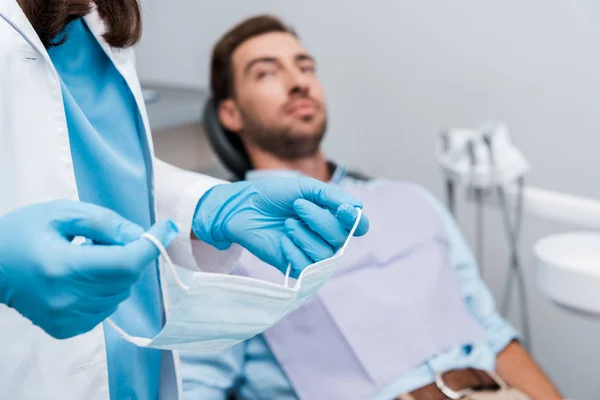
<point>567,208</point>
<point>485,159</point>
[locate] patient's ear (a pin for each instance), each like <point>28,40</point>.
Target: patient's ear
<point>230,116</point>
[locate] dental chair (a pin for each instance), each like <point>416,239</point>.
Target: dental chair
<point>227,145</point>
<point>230,150</point>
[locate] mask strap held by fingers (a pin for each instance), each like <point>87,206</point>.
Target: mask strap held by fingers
<point>352,231</point>
<point>354,227</point>
<point>165,255</point>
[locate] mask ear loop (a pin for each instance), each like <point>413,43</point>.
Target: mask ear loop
<point>286,281</point>
<point>165,255</point>
<point>354,227</point>
<point>353,230</point>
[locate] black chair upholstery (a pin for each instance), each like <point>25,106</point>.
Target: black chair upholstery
<point>227,145</point>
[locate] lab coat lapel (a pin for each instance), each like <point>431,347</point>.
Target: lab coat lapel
<point>14,15</point>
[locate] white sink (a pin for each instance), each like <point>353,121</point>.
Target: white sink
<point>568,270</point>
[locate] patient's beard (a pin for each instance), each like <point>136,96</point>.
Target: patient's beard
<point>284,143</point>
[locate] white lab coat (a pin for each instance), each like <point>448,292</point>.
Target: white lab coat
<point>36,166</point>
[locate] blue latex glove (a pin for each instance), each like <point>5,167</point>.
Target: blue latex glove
<point>280,220</point>
<point>64,288</point>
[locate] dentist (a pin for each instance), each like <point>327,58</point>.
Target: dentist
<point>76,161</point>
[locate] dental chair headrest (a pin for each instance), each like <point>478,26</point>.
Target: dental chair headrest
<point>227,145</point>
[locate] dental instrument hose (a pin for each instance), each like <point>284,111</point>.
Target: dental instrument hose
<point>512,231</point>
<point>450,196</point>
<point>479,231</point>
<point>515,271</point>
<point>478,210</point>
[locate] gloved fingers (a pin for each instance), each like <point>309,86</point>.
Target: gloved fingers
<point>347,215</point>
<point>207,224</point>
<point>144,251</point>
<point>325,195</point>
<point>116,265</point>
<point>100,304</point>
<point>274,258</point>
<point>100,317</point>
<point>264,245</point>
<point>77,323</point>
<point>84,322</point>
<point>323,222</point>
<point>68,327</point>
<point>102,270</point>
<point>313,245</point>
<point>295,256</point>
<point>99,224</point>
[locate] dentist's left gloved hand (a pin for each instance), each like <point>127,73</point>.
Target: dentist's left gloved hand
<point>281,220</point>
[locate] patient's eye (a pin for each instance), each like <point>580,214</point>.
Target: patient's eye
<point>262,73</point>
<point>307,67</point>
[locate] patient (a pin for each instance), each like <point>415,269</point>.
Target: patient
<point>408,303</point>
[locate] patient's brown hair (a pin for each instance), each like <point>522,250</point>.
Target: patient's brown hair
<point>122,18</point>
<point>221,73</point>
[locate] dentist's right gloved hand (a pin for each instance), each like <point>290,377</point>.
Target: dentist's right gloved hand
<point>298,221</point>
<point>64,288</point>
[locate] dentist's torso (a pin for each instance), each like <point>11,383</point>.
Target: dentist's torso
<point>36,166</point>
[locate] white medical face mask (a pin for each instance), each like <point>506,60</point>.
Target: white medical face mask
<point>217,311</point>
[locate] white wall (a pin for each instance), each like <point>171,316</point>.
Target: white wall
<point>397,72</point>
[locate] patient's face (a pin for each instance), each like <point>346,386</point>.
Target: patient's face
<point>279,96</point>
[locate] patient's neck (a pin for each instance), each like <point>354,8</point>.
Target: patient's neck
<point>314,166</point>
